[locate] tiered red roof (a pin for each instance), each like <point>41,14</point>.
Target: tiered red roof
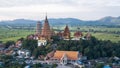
<point>66,33</point>
<point>78,34</point>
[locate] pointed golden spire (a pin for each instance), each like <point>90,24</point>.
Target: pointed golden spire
<point>46,20</point>
<point>66,33</point>
<point>66,29</point>
<point>46,31</point>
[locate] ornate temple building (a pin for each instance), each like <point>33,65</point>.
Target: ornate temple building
<point>45,33</point>
<point>77,35</point>
<point>38,27</point>
<point>66,33</point>
<point>63,57</point>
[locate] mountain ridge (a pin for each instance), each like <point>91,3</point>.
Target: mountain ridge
<point>109,20</point>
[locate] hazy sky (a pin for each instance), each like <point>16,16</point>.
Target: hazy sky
<point>36,9</point>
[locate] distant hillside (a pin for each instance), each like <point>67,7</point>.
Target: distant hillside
<point>18,22</point>
<point>64,21</point>
<point>70,21</point>
<point>110,20</point>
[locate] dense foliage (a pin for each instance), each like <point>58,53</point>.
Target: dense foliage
<point>92,48</point>
<point>9,43</point>
<point>32,46</point>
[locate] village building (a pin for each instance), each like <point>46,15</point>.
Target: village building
<point>23,53</point>
<point>2,46</point>
<point>18,44</point>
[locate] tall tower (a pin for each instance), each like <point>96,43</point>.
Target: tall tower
<point>46,29</point>
<point>66,33</point>
<point>38,27</point>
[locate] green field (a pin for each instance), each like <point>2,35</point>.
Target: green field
<point>103,33</point>
<point>13,34</point>
<point>105,36</point>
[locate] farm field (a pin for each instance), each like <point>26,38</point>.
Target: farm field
<point>107,36</point>
<point>102,33</point>
<point>13,34</point>
<point>104,36</point>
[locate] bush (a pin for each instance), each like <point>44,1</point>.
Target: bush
<point>54,65</point>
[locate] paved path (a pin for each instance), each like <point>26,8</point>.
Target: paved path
<point>62,66</point>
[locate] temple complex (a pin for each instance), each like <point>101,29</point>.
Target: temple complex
<point>44,33</point>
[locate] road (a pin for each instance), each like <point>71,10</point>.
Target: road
<point>62,66</point>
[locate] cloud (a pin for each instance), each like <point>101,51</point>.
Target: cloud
<point>11,3</point>
<point>82,9</point>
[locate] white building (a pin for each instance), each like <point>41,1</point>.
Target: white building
<point>24,53</point>
<point>42,42</point>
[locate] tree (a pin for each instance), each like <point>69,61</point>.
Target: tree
<point>54,65</point>
<point>29,44</point>
<point>9,43</point>
<point>1,41</point>
<point>99,65</point>
<point>35,53</point>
